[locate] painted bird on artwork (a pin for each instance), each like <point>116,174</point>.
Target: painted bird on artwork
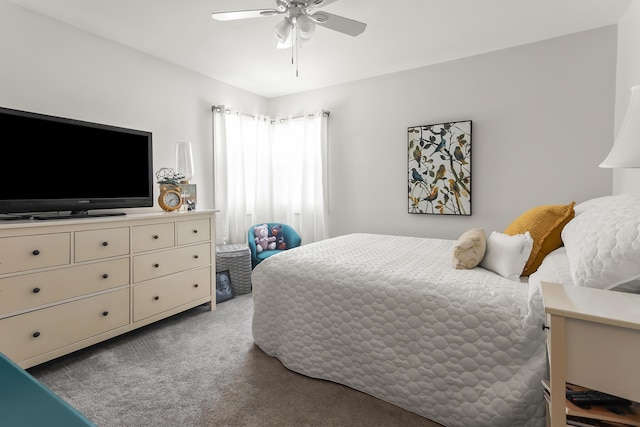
<point>417,155</point>
<point>440,146</point>
<point>434,195</point>
<point>416,175</point>
<point>455,189</point>
<point>440,173</point>
<point>457,153</point>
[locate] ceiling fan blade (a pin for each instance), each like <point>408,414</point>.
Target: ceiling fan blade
<point>244,14</point>
<point>318,3</point>
<point>338,23</point>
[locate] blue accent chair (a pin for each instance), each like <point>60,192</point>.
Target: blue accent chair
<point>27,402</point>
<point>291,240</point>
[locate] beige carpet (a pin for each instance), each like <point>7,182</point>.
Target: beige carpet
<point>201,368</point>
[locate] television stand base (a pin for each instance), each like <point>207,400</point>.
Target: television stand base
<point>77,215</point>
<point>6,217</point>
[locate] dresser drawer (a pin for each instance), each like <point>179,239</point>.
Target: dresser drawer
<point>162,263</point>
<point>165,293</point>
<point>104,243</point>
<point>37,289</point>
<point>154,236</point>
<point>35,333</point>
<point>32,252</point>
<point>194,231</point>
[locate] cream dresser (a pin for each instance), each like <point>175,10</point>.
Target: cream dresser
<point>68,284</point>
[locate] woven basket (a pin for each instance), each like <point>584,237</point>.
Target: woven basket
<point>237,260</point>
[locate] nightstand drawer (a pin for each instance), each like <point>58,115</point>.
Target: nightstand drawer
<point>40,331</point>
<point>104,243</point>
<point>593,349</point>
<point>33,252</point>
<point>37,289</point>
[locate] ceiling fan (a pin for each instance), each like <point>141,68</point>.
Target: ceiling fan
<point>300,20</point>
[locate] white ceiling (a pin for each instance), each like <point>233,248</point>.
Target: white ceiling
<point>400,35</point>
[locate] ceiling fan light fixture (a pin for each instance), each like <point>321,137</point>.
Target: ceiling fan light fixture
<point>287,43</point>
<point>306,27</point>
<point>304,41</point>
<point>282,31</point>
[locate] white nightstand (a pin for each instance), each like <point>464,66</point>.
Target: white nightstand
<point>593,341</point>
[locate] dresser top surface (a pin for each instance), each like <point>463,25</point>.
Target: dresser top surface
<point>146,215</point>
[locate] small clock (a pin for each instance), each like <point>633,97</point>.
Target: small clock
<point>170,198</point>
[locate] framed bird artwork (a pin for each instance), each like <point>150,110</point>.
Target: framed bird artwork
<point>439,166</point>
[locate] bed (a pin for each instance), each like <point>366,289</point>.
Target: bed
<point>390,316</point>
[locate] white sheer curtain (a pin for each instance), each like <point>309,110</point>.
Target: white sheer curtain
<point>270,170</point>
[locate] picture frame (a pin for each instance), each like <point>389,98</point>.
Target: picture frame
<point>189,196</point>
<point>439,168</point>
<point>224,289</point>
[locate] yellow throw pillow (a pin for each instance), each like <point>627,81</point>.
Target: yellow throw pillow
<point>545,223</point>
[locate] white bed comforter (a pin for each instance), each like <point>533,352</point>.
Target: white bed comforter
<point>390,316</point>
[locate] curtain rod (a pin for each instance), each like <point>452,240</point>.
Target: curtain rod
<point>218,109</point>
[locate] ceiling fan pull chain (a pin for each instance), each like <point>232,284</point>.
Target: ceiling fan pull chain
<point>293,53</point>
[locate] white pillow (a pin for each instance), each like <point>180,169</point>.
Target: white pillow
<point>554,268</point>
<point>507,255</point>
<point>469,250</point>
<point>603,242</point>
<point>587,204</point>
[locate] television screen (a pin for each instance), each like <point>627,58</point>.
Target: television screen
<point>55,164</point>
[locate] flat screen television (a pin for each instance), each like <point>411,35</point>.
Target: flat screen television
<point>56,167</point>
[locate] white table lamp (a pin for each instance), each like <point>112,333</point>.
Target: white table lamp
<point>184,161</point>
<point>626,150</point>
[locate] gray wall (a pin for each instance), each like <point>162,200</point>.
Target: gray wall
<point>542,122</point>
<point>542,118</point>
<point>55,69</point>
<point>628,74</point>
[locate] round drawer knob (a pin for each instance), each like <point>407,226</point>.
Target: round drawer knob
<point>36,290</point>
<point>36,334</point>
<point>105,243</point>
<point>156,237</point>
<point>105,276</point>
<point>195,256</point>
<point>195,285</point>
<point>105,313</point>
<point>156,265</point>
<point>156,298</point>
<point>195,231</point>
<point>36,252</point>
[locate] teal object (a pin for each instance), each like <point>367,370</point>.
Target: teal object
<point>291,239</point>
<point>24,402</point>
